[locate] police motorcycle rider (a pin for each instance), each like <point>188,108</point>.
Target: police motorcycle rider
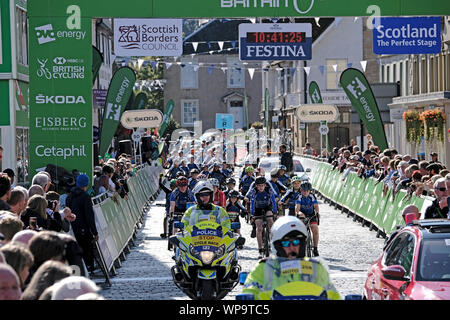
<point>291,196</point>
<point>262,202</point>
<point>219,198</point>
<point>193,180</point>
<point>283,177</point>
<point>287,274</point>
<point>204,208</point>
<point>235,208</point>
<point>180,198</point>
<point>231,183</point>
<point>306,206</point>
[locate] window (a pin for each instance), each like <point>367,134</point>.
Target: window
<point>237,103</point>
<point>189,74</point>
<point>332,76</point>
<point>22,142</point>
<point>401,251</point>
<point>345,117</point>
<point>235,74</point>
<point>22,36</point>
<point>382,73</point>
<point>189,112</point>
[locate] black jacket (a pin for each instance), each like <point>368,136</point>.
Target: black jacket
<point>435,212</point>
<point>80,203</point>
<point>286,160</point>
<point>49,223</point>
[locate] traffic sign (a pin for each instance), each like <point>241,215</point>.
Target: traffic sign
<point>224,121</point>
<point>323,129</point>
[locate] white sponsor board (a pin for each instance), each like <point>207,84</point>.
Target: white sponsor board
<point>148,37</point>
<point>317,113</point>
<point>141,119</point>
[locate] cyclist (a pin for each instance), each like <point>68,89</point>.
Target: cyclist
<point>193,180</point>
<point>226,171</point>
<point>307,206</point>
<point>217,174</point>
<point>174,170</point>
<point>231,183</point>
<point>277,187</point>
<point>181,197</point>
<point>205,170</point>
<point>287,273</point>
<point>283,177</point>
<point>247,180</point>
<point>246,165</point>
<point>262,203</point>
<point>184,167</point>
<point>192,165</point>
<point>204,208</point>
<point>291,196</point>
<point>219,198</point>
<point>235,208</point>
<point>167,191</point>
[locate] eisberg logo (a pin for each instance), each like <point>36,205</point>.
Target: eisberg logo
<point>43,99</point>
<point>297,4</point>
<point>60,123</point>
<point>69,152</point>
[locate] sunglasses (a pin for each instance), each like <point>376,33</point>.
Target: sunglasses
<point>441,189</point>
<point>204,194</point>
<point>287,243</point>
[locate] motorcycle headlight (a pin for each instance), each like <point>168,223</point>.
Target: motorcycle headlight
<point>207,257</point>
<point>220,251</point>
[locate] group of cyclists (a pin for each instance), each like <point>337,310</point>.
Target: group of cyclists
<point>256,198</point>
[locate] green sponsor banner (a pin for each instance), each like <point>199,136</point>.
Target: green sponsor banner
<point>97,60</point>
<point>360,94</point>
<point>266,110</point>
<point>140,101</point>
<point>5,39</point>
<point>60,94</point>
<point>119,92</point>
<point>22,103</point>
<point>4,103</point>
<point>167,114</point>
<point>314,93</point>
<point>239,8</point>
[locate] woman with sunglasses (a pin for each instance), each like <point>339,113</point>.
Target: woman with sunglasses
<point>286,274</point>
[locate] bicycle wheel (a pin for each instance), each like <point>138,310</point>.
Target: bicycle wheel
<point>266,241</point>
<point>309,244</point>
<point>169,232</point>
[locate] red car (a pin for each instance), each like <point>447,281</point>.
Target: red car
<point>415,265</point>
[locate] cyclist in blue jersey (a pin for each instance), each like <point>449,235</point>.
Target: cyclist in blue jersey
<point>174,170</point>
<point>226,171</point>
<point>216,173</point>
<point>291,196</point>
<point>193,180</point>
<point>192,165</point>
<point>262,203</point>
<point>246,181</point>
<point>277,187</point>
<point>168,192</point>
<point>235,208</point>
<point>205,170</point>
<point>181,197</point>
<point>231,183</point>
<point>184,167</point>
<point>306,206</point>
<point>283,177</point>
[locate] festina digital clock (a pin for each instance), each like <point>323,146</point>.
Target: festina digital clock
<point>276,37</point>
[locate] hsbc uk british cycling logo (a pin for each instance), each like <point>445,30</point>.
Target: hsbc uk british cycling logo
<point>130,35</point>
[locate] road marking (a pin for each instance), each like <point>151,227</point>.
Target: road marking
<point>142,279</point>
<point>348,275</point>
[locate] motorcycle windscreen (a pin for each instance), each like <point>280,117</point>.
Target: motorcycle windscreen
<point>299,290</point>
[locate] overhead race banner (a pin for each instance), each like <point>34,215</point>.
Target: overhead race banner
<point>148,37</point>
<point>267,41</point>
<point>97,60</point>
<point>167,114</point>
<point>401,35</point>
<point>363,100</point>
<point>314,93</point>
<point>119,92</point>
<point>140,101</point>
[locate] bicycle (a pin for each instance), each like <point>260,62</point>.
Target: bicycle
<point>176,216</point>
<point>265,234</point>
<point>309,239</point>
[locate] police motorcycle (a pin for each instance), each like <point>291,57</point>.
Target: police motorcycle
<point>206,259</point>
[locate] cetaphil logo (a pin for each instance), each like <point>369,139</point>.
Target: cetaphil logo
<point>62,68</point>
<point>43,99</point>
<point>68,152</point>
<point>46,34</point>
<point>60,123</point>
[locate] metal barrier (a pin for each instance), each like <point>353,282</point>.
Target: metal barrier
<point>118,220</point>
<point>363,198</point>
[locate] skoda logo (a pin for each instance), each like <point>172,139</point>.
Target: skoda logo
<point>59,60</point>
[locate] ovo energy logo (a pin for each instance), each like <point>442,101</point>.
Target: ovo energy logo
<point>357,88</point>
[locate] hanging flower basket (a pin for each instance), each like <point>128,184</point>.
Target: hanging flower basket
<point>414,126</point>
<point>434,121</point>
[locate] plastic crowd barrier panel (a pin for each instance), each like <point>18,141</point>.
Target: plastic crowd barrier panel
<point>363,197</point>
<point>117,219</point>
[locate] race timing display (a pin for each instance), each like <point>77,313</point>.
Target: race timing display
<point>276,37</point>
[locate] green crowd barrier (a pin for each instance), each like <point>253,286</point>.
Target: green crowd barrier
<point>118,219</point>
<point>363,197</point>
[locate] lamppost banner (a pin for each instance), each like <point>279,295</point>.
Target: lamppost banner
<point>166,117</point>
<point>97,60</point>
<point>119,92</point>
<point>360,94</point>
<point>314,93</point>
<point>140,101</point>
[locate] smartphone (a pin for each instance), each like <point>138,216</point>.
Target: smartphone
<point>32,223</point>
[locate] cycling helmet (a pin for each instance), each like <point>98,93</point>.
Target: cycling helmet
<point>234,194</point>
<point>180,174</point>
<point>274,173</point>
<point>306,185</point>
<point>296,178</point>
<point>283,167</point>
<point>182,181</point>
<point>194,171</point>
<point>260,180</point>
<point>288,227</point>
<point>173,182</point>
<point>249,169</point>
<point>230,180</point>
<point>214,182</point>
<point>201,188</point>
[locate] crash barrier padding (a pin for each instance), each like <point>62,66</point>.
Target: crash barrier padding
<point>118,219</point>
<point>363,197</point>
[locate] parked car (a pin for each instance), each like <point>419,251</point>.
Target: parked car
<point>414,266</point>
